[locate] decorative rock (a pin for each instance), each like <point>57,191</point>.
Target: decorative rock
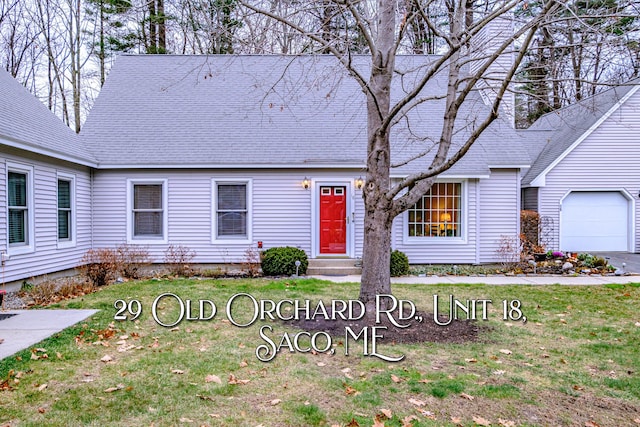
<point>567,266</point>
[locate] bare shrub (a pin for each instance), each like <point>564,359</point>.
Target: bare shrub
<point>42,293</point>
<point>132,259</point>
<point>251,262</point>
<point>99,266</point>
<point>178,259</point>
<point>508,251</point>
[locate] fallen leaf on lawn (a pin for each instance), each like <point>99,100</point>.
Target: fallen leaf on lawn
<point>42,387</point>
<point>34,356</point>
<point>175,329</point>
<point>425,381</point>
<point>213,379</point>
<point>505,423</point>
<point>345,370</point>
<point>387,413</point>
<point>350,390</point>
<point>42,410</point>
<point>395,379</point>
<point>466,396</point>
<point>456,420</point>
<point>481,421</point>
<point>544,355</point>
<point>353,423</point>
<point>591,424</point>
<point>233,380</point>
<point>472,360</point>
<point>185,420</point>
<point>177,371</point>
<point>498,372</point>
<point>417,402</point>
<point>40,349</point>
<point>321,364</point>
<point>214,415</point>
<point>578,387</point>
<point>408,420</point>
<point>637,324</point>
<point>637,420</point>
<point>377,422</point>
<point>275,402</point>
<point>59,355</point>
<point>116,388</point>
<point>505,351</point>
<point>106,359</point>
<point>244,364</point>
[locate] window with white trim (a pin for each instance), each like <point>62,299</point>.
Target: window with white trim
<point>18,194</point>
<point>438,213</point>
<point>148,211</point>
<point>231,210</point>
<point>65,209</point>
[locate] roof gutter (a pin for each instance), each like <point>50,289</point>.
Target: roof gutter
<point>45,152</point>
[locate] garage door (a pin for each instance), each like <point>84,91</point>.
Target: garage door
<point>594,221</point>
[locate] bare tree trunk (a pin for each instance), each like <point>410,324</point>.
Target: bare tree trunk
<point>377,227</point>
<point>162,28</point>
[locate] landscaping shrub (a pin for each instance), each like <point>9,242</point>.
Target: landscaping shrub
<point>251,262</point>
<point>99,266</point>
<point>399,264</point>
<point>132,259</point>
<point>178,259</point>
<point>281,261</point>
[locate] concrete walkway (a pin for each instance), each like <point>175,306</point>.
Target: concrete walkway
<point>28,327</point>
<point>499,279</point>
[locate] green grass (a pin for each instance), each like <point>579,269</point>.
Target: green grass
<point>579,348</point>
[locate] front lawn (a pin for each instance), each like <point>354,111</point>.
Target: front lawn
<point>576,361</point>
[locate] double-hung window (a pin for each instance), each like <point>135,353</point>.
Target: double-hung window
<point>438,213</point>
<point>19,208</point>
<point>65,209</point>
<point>232,210</point>
<point>148,211</point>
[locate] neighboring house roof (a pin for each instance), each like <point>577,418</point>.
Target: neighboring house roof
<point>27,124</point>
<point>556,134</point>
<point>255,111</point>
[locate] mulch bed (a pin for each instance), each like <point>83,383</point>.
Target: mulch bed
<point>458,331</point>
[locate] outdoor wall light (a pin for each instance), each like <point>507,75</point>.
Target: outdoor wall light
<point>359,183</point>
<point>306,183</point>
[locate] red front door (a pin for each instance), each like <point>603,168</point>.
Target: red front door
<point>333,220</point>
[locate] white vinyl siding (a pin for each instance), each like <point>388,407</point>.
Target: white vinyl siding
<point>20,218</point>
<point>46,254</point>
<point>147,212</point>
<point>280,210</point>
<point>607,160</point>
<point>499,212</point>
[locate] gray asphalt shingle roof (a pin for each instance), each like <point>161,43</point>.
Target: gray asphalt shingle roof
<point>263,111</point>
<point>27,123</point>
<point>555,132</point>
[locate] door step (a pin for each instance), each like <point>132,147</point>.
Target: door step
<point>333,267</point>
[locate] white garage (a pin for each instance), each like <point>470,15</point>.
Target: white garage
<point>594,221</point>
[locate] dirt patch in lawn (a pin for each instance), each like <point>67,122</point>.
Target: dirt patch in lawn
<point>422,328</point>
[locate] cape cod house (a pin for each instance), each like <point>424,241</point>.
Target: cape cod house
<point>224,153</point>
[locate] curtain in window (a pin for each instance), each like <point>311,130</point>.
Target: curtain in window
<point>232,210</point>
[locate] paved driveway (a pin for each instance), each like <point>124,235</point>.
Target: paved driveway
<point>616,259</point>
